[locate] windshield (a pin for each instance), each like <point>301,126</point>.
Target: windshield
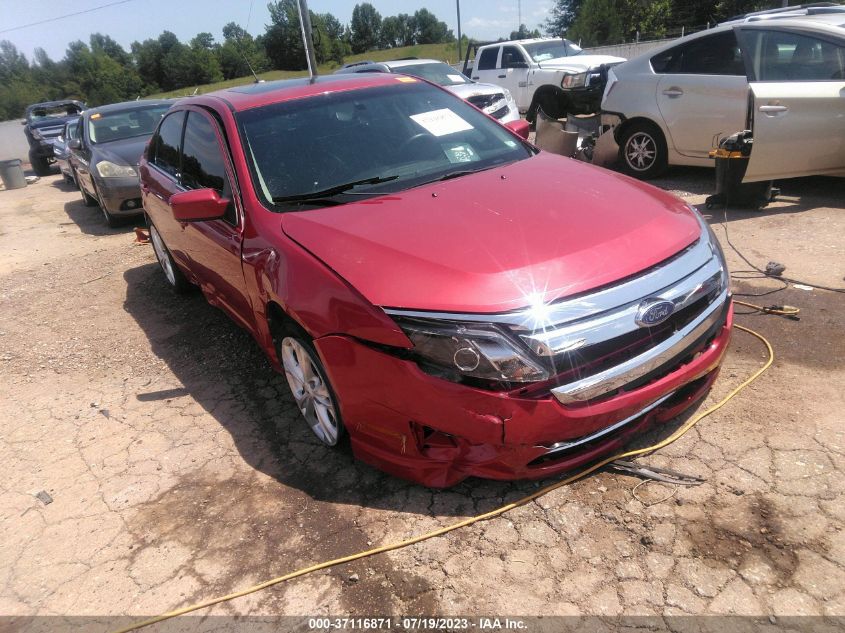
<point>435,72</point>
<point>544,51</point>
<point>369,141</point>
<point>104,127</point>
<point>41,112</point>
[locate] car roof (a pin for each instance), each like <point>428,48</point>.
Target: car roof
<point>532,40</point>
<point>401,63</point>
<point>251,96</point>
<point>128,105</point>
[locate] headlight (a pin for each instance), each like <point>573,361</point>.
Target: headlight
<point>471,350</point>
<point>509,98</point>
<point>36,135</point>
<point>715,247</point>
<point>574,81</point>
<point>107,169</point>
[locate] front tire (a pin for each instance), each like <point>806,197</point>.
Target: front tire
<point>642,151</point>
<point>310,388</point>
<point>87,200</point>
<point>40,164</point>
<point>174,277</point>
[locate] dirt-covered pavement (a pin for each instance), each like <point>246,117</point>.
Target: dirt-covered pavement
<point>178,468</point>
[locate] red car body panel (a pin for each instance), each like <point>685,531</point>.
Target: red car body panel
<point>487,241</point>
<point>479,243</point>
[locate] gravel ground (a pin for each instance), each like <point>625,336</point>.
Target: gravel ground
<point>177,468</point>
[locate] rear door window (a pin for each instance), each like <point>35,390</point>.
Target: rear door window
<point>203,162</point>
<point>487,59</point>
<point>717,54</point>
<point>166,144</point>
<point>787,56</point>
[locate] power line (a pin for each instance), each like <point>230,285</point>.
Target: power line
<point>62,17</point>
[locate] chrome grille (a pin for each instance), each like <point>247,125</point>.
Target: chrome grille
<point>595,344</point>
<point>485,101</point>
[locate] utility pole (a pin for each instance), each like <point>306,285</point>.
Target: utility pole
<point>458,6</point>
<point>305,23</point>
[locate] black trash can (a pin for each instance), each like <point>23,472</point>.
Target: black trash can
<point>731,163</point>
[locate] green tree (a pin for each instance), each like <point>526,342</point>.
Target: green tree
<point>523,33</point>
<point>429,30</point>
<point>562,16</point>
<point>240,52</point>
<point>283,36</point>
<point>365,27</point>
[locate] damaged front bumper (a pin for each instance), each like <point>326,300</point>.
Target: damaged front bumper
<point>437,433</point>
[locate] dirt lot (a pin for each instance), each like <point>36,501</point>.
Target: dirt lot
<point>179,470</point>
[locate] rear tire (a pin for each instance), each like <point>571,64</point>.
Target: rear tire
<point>174,277</point>
<point>642,151</point>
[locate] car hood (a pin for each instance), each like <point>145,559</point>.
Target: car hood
<point>465,91</point>
<point>580,63</point>
<point>123,152</point>
<point>542,228</point>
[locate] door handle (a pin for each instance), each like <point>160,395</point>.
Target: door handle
<point>772,109</point>
<point>673,92</point>
<point>475,76</point>
<point>502,76</point>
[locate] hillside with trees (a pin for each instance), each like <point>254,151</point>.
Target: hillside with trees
<point>101,71</point>
<point>599,22</point>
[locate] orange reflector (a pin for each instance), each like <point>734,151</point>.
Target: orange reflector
<point>407,80</point>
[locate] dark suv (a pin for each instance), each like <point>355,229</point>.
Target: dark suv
<point>44,123</point>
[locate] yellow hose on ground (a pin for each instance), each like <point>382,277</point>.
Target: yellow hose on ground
<point>481,517</point>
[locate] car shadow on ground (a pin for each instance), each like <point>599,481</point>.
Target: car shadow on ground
<point>225,372</point>
<point>90,220</point>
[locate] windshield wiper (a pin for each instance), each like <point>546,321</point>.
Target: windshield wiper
<point>313,196</point>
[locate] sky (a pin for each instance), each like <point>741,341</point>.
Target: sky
<point>141,19</point>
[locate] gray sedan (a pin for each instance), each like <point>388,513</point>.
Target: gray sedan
<point>104,157</point>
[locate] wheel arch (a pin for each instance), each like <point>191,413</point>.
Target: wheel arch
<point>620,129</point>
<point>546,90</point>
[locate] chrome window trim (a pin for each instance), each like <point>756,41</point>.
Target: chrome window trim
<point>618,376</point>
<point>559,447</point>
<point>636,288</point>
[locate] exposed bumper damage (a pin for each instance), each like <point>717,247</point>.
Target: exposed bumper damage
<point>437,433</point>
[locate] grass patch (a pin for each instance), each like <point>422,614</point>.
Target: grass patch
<point>444,52</point>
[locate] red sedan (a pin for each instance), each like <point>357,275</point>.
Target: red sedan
<point>436,290</point>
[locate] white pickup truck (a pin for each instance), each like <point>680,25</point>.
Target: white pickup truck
<point>554,74</point>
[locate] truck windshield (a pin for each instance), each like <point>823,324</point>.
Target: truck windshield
<point>550,49</point>
<point>115,126</point>
<point>435,72</point>
<point>333,147</point>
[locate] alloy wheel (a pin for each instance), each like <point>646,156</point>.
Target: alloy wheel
<point>310,391</point>
<point>641,151</point>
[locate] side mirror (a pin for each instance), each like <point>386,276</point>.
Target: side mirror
<point>520,127</point>
<point>74,143</point>
<point>23,122</point>
<point>198,204</point>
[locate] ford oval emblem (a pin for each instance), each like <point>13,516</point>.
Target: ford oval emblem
<point>654,312</point>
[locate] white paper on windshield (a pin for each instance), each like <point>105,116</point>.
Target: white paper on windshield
<point>458,79</point>
<point>441,122</point>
